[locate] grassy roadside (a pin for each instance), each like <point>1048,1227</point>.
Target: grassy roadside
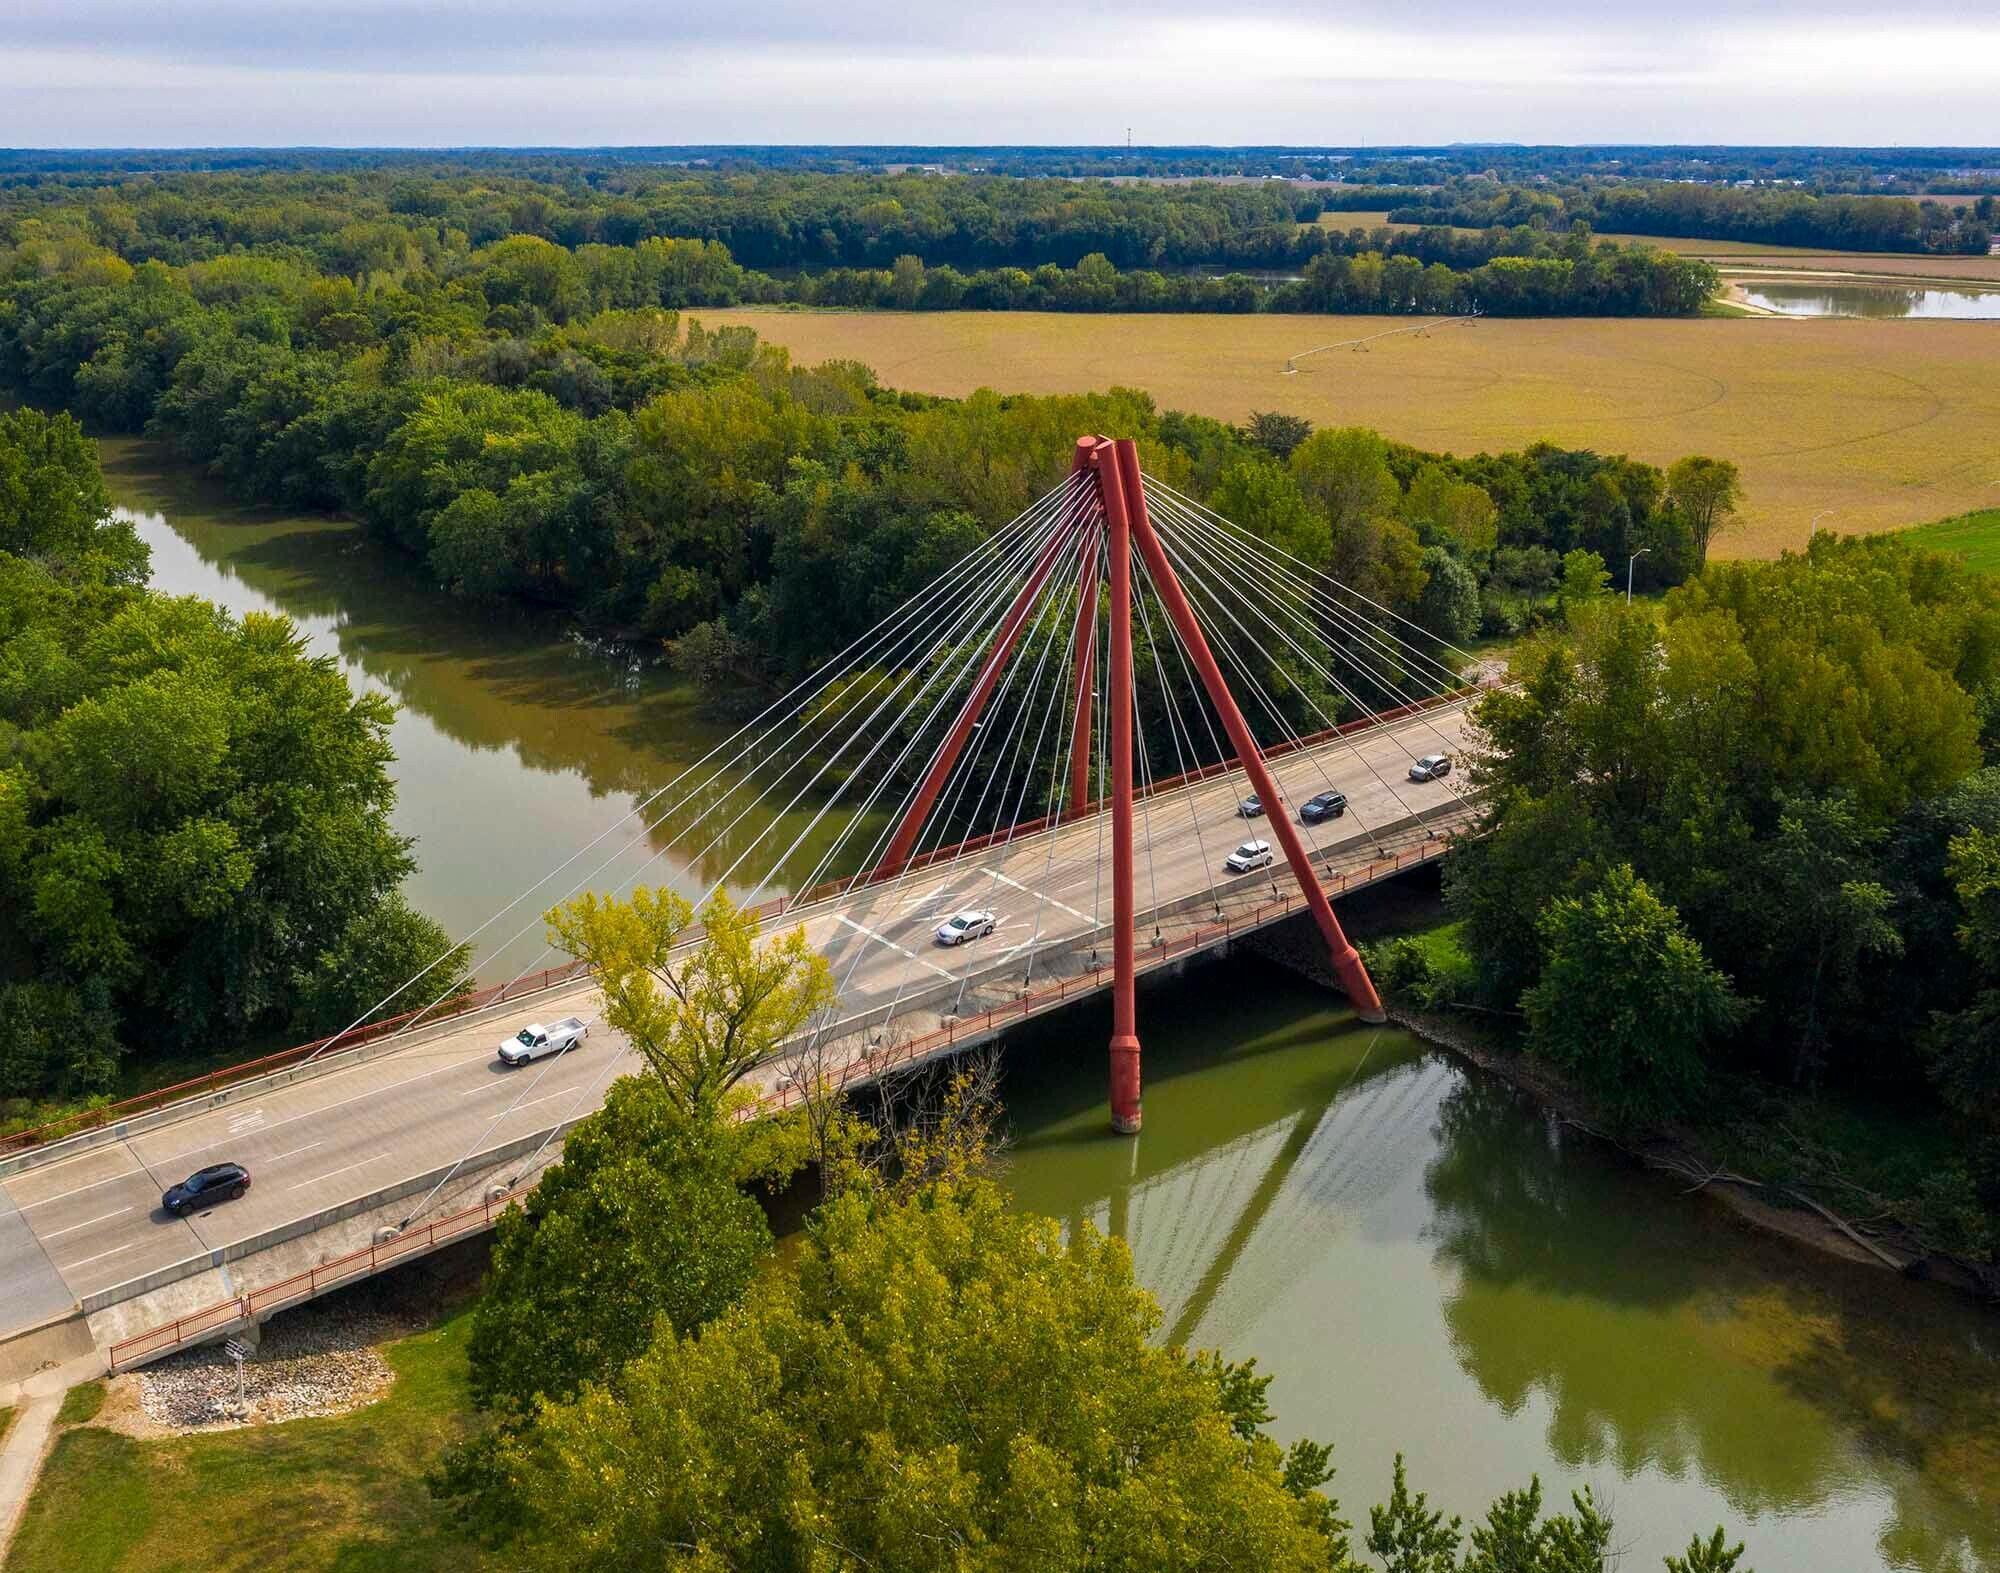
<point>1974,536</point>
<point>343,1493</point>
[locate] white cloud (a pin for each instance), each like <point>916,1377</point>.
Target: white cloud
<point>366,72</point>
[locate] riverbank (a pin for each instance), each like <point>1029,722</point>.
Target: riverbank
<point>1711,1160</point>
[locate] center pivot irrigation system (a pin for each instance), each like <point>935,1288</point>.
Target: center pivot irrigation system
<point>931,764</point>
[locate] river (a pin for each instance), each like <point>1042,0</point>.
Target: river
<point>1851,298</point>
<point>516,742</point>
<point>1421,1259</point>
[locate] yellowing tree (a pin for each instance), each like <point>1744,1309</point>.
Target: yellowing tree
<point>701,1008</point>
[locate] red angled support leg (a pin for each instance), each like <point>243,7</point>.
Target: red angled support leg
<point>1118,520</point>
<point>1132,495</point>
<point>968,717</point>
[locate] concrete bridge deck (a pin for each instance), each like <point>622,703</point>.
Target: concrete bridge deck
<point>81,1229</point>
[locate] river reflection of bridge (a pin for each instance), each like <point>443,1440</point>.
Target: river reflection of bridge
<point>1231,1223</point>
<point>1426,1262</point>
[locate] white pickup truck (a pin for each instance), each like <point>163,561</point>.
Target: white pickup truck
<point>536,1041</point>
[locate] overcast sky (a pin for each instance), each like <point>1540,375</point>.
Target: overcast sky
<point>461,72</point>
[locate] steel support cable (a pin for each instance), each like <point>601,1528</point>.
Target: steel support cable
<point>1423,713</point>
<point>861,729</point>
<point>1229,552</point>
<point>1198,700</point>
<point>492,1125</point>
<point>1307,658</point>
<point>1207,512</point>
<point>888,775</point>
<point>1030,551</point>
<point>1057,691</point>
<point>1284,726</point>
<point>955,787</point>
<point>1174,731</point>
<point>515,1104</point>
<point>994,704</point>
<point>1252,550</point>
<point>1346,620</point>
<point>967,768</point>
<point>1344,623</point>
<point>921,635</point>
<point>1144,791</point>
<point>798,696</point>
<point>1256,685</point>
<point>863,763</point>
<point>1059,777</point>
<point>960,777</point>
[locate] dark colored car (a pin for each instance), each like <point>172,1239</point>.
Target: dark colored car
<point>219,1182</point>
<point>1328,805</point>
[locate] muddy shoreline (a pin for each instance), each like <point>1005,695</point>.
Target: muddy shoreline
<point>1768,1207</point>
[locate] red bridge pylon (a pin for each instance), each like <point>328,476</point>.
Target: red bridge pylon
<point>1113,530</point>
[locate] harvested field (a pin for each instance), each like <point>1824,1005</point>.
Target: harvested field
<point>1367,220</point>
<point>1884,423</point>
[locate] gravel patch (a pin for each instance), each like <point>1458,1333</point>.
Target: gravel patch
<point>318,1360</point>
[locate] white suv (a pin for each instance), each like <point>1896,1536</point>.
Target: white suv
<point>1251,855</point>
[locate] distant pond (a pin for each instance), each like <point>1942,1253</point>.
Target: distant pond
<point>1830,298</point>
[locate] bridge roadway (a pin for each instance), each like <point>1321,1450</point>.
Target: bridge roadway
<point>84,1223</point>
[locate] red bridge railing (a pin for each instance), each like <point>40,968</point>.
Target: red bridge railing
<point>75,1124</point>
<point>363,1263</point>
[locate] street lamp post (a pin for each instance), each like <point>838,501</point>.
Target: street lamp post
<point>1813,528</point>
<point>1632,563</point>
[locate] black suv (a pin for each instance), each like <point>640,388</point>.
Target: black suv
<point>219,1182</point>
<point>1328,805</point>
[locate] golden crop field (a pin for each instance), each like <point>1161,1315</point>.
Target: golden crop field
<point>1864,424</point>
<point>1371,220</point>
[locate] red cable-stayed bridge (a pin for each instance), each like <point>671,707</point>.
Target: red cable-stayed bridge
<point>1058,731</point>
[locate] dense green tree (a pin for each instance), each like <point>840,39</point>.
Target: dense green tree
<point>194,820</point>
<point>390,959</point>
<point>645,1220</point>
<point>1626,1001</point>
<point>1449,605</point>
<point>1706,491</point>
<point>943,1377</point>
<point>53,505</point>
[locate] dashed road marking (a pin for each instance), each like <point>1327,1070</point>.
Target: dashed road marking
<point>902,950</point>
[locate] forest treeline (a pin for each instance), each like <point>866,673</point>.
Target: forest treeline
<point>1972,170</point>
<point>649,475</point>
<point>911,242</point>
<point>1740,866</point>
<point>1770,216</point>
<point>195,844</point>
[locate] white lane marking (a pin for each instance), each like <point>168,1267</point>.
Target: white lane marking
<point>122,1174</point>
<point>1051,900</point>
<point>567,1092</point>
<point>69,1266</point>
<point>248,1120</point>
<point>293,1153</point>
<point>293,1119</point>
<point>332,1172</point>
<point>72,1228</point>
<point>904,950</point>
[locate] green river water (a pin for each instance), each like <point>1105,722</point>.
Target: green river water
<point>1422,1260</point>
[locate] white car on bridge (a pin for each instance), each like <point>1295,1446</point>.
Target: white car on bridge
<point>962,926</point>
<point>536,1041</point>
<point>1251,855</point>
